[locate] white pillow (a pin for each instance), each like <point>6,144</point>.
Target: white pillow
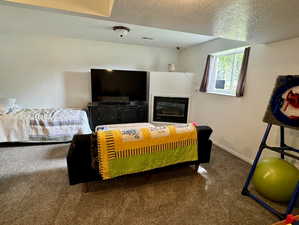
<point>6,104</point>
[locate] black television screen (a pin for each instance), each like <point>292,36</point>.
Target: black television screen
<point>118,83</point>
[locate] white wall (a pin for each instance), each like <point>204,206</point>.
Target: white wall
<point>44,71</point>
<point>237,122</point>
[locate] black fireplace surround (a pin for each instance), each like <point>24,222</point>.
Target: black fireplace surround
<point>170,109</point>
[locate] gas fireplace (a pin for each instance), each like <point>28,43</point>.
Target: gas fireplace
<point>170,109</point>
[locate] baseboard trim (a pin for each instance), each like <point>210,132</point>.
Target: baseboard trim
<point>237,154</point>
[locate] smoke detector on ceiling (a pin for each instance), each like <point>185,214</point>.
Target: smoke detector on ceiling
<point>121,30</point>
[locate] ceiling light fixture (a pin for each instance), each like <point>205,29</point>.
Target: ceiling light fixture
<point>121,30</point>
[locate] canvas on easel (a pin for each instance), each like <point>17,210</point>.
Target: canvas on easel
<point>283,108</point>
<point>283,111</point>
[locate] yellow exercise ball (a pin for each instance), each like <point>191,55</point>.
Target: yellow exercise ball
<point>275,179</point>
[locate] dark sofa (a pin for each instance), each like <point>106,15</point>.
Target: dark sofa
<point>82,156</point>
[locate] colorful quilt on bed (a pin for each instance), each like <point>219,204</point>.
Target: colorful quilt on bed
<point>129,150</point>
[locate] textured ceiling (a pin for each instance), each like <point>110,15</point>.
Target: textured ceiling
<point>18,20</point>
<point>258,21</point>
<point>255,21</point>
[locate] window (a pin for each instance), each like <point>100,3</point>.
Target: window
<point>224,71</point>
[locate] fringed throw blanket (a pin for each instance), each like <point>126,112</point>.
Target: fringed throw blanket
<point>130,150</point>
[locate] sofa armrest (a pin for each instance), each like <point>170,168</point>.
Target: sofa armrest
<point>79,160</point>
<point>204,143</point>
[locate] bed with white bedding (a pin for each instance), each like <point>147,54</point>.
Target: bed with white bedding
<point>42,125</point>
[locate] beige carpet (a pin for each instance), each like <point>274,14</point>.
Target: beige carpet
<point>34,190</point>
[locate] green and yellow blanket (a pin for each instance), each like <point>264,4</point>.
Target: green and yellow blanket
<point>127,151</point>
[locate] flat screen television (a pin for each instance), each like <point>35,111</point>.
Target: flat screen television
<point>118,84</point>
